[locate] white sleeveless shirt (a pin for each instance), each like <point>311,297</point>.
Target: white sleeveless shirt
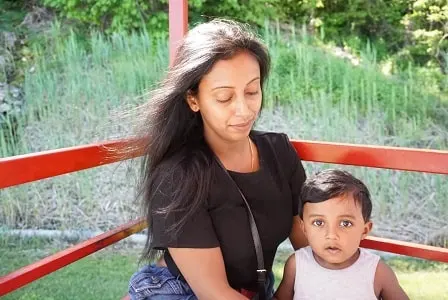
<point>314,282</point>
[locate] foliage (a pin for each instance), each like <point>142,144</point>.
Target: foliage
<point>11,14</point>
<point>112,15</point>
<point>342,20</point>
<point>415,30</point>
<point>427,27</point>
<point>116,15</point>
<point>254,11</point>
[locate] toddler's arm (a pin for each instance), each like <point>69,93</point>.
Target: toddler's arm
<point>388,282</point>
<point>285,290</point>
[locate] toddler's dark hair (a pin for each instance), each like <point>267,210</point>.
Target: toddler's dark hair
<point>333,183</point>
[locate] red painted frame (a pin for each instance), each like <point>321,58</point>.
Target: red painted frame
<point>405,159</point>
<point>21,169</point>
<point>31,167</point>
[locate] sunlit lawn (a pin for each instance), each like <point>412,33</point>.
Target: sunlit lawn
<point>103,275</point>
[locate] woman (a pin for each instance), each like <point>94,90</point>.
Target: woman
<point>199,131</point>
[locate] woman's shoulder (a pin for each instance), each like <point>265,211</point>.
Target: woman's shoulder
<point>274,138</point>
<point>278,142</point>
<point>267,134</point>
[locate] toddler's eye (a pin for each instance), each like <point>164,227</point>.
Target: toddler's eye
<point>318,223</point>
<point>346,223</point>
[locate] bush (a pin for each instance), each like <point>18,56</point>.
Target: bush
<point>426,25</point>
<point>111,15</point>
<point>407,31</point>
<point>118,15</point>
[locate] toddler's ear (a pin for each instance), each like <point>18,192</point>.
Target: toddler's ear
<point>367,228</point>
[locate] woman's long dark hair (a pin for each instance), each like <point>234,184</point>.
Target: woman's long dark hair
<point>173,142</point>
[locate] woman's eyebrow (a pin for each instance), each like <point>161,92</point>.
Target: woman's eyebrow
<point>223,87</point>
<point>231,87</point>
<point>256,78</point>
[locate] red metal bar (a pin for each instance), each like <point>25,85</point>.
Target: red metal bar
<point>406,248</point>
<point>25,275</point>
<point>407,159</point>
<point>178,24</point>
<point>31,167</point>
<point>21,169</point>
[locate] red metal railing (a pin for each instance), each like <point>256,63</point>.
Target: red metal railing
<point>31,167</point>
<point>27,168</point>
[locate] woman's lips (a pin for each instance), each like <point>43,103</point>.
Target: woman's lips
<point>243,125</point>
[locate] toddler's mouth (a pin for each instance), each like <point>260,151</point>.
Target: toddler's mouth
<point>332,249</point>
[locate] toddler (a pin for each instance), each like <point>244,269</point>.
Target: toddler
<point>335,216</point>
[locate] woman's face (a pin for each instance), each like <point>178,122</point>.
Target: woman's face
<point>229,98</point>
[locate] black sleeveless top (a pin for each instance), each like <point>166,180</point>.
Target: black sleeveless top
<point>273,195</point>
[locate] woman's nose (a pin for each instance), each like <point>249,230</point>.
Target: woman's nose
<point>241,107</point>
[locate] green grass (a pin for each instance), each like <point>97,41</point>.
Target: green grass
<point>105,275</point>
<point>78,80</point>
<point>425,285</point>
<point>305,71</point>
<point>422,279</point>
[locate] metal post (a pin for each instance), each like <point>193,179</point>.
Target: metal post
<point>178,24</point>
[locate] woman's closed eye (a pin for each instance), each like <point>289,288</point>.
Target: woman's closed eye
<point>223,100</point>
<point>224,97</point>
<point>252,93</point>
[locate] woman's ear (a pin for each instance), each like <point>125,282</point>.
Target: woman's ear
<point>192,102</point>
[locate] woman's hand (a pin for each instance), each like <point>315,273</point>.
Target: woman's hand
<point>204,271</point>
<point>297,238</point>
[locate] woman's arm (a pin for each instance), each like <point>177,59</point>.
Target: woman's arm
<point>204,271</point>
<point>297,238</point>
<point>296,179</point>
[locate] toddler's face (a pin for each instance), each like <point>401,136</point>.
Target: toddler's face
<point>334,229</point>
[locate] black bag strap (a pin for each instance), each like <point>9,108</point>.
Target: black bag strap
<point>261,271</point>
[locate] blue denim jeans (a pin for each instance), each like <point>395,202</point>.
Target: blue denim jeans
<point>157,283</point>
